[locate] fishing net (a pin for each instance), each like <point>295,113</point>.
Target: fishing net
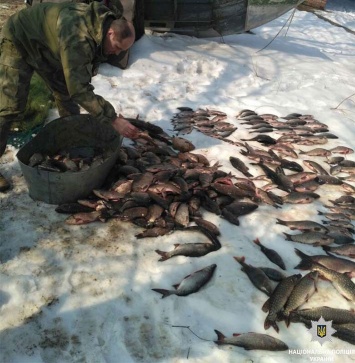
<point>39,103</point>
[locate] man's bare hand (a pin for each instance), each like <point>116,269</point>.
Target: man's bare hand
<point>125,128</point>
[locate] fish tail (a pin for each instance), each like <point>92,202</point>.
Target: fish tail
<point>257,241</point>
<point>287,321</point>
<point>164,255</point>
<point>306,262</point>
<point>279,221</point>
<point>288,236</point>
<point>320,213</point>
<point>241,259</point>
<point>326,248</point>
<point>272,323</point>
<point>220,337</point>
<point>328,252</point>
<point>164,292</point>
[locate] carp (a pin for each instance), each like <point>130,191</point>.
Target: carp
<point>278,299</point>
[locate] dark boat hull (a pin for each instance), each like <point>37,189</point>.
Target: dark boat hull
<point>204,18</point>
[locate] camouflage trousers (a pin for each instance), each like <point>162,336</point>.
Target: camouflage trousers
<point>15,78</point>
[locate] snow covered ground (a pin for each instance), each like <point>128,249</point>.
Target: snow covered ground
<point>83,293</point>
<point>341,12</point>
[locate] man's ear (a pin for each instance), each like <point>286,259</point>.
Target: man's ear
<point>110,31</point>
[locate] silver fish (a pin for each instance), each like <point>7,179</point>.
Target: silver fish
<point>347,250</point>
<point>303,225</point>
<point>300,197</point>
<point>187,249</point>
<point>311,238</point>
<point>335,263</point>
<point>315,167</point>
<point>342,150</point>
<point>252,341</point>
<point>191,283</point>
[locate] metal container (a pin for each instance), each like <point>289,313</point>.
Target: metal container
<point>61,134</point>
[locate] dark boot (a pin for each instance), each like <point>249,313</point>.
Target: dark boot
<point>4,134</point>
<point>67,108</point>
<point>4,184</point>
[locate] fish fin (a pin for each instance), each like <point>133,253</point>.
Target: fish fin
<point>267,323</point>
<point>288,236</point>
<point>274,325</point>
<point>176,286</point>
<point>176,245</point>
<point>163,254</point>
<point>346,297</point>
<point>266,307</point>
<point>164,292</point>
<point>326,248</point>
<point>279,221</point>
<point>220,336</point>
<point>328,252</point>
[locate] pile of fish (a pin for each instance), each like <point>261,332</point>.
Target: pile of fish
<point>160,185</point>
<point>210,122</point>
<point>73,160</point>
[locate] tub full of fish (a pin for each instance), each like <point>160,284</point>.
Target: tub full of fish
<point>68,158</point>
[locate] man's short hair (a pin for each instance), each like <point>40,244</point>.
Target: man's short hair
<point>122,28</point>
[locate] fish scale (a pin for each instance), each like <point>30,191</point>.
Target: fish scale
<point>302,291</point>
<point>278,299</point>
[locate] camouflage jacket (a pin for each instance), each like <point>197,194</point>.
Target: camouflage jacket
<point>65,38</point>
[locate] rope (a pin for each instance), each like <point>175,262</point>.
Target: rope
<point>290,18</point>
